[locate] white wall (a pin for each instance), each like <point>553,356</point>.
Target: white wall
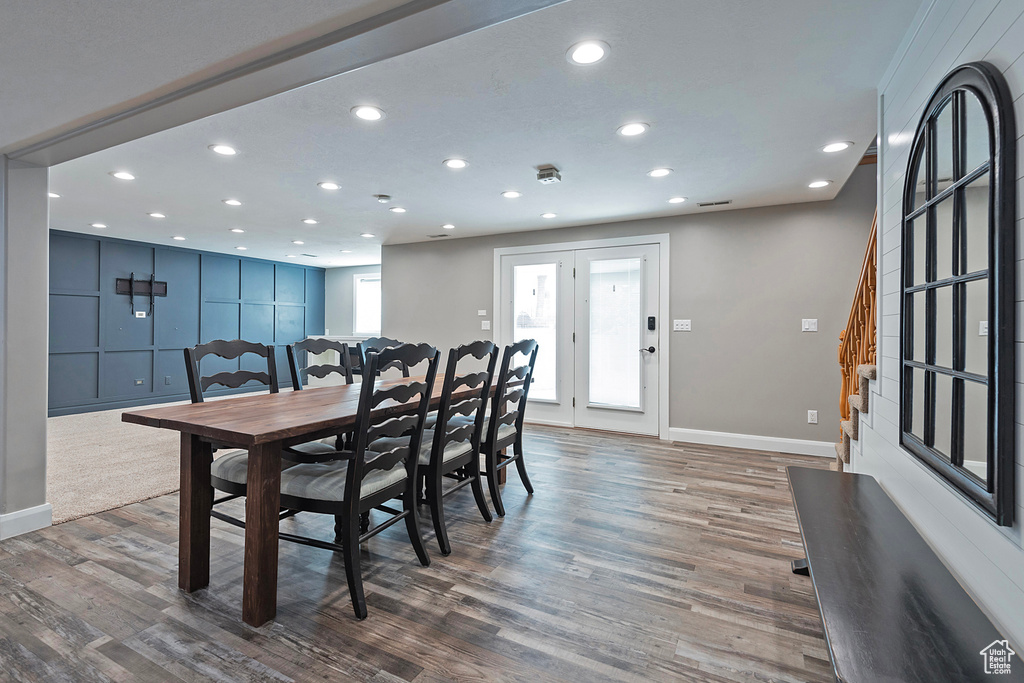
<point>988,559</point>
<point>338,309</point>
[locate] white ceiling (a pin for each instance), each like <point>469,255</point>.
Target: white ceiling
<point>740,96</point>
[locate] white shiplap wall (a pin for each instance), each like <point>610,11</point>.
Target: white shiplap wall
<point>987,559</point>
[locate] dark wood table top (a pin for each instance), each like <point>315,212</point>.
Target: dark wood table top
<point>288,416</point>
<point>891,609</point>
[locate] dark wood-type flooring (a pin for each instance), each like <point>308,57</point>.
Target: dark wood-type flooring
<point>636,560</point>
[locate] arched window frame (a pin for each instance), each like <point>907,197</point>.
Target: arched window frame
<point>996,497</point>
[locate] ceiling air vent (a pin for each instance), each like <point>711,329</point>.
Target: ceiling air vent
<point>722,203</point>
<point>434,237</point>
<point>310,255</point>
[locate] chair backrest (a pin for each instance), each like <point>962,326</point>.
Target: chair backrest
<point>232,379</point>
<point>379,344</point>
<point>474,405</point>
<point>317,346</point>
<point>384,411</point>
<point>512,387</point>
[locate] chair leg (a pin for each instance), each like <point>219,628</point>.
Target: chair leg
<point>437,513</point>
<point>350,546</point>
<point>472,471</point>
<point>412,524</point>
<point>491,461</point>
<point>364,522</point>
<point>521,465</point>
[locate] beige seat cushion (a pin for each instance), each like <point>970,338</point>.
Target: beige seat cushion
<point>314,449</point>
<point>234,467</point>
<point>326,481</point>
<point>451,451</point>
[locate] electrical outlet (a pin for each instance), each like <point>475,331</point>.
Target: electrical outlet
<point>167,379</point>
<point>140,382</point>
<point>482,312</point>
<point>809,325</point>
<point>680,325</point>
<point>812,417</point>
<point>485,324</point>
<point>140,314</point>
<point>983,328</point>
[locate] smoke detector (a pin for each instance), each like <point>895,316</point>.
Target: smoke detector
<point>548,175</point>
<point>382,198</point>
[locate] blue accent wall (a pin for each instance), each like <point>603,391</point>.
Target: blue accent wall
<point>99,350</point>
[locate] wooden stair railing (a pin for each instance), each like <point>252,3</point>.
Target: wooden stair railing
<point>857,341</point>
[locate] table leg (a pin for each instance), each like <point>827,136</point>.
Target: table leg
<point>195,501</point>
<point>262,504</point>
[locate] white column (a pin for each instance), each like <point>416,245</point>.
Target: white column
<point>24,323</point>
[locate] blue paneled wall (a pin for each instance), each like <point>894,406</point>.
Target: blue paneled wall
<point>99,351</point>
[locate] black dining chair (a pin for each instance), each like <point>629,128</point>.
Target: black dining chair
<point>505,425</point>
<point>379,344</point>
<point>368,478</point>
<point>301,371</point>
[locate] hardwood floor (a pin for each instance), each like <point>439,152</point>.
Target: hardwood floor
<point>636,560</point>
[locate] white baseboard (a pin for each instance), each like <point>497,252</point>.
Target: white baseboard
<point>24,521</point>
<point>757,443</point>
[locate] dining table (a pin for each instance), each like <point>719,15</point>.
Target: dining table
<point>263,424</point>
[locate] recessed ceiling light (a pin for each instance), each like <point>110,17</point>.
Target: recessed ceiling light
<point>819,183</point>
<point>448,226</point>
<point>53,195</point>
<point>224,149</point>
<point>232,202</point>
<point>241,248</point>
<point>631,129</point>
<point>97,225</point>
<point>122,175</point>
<point>368,113</point>
<point>157,215</point>
<point>237,230</point>
<point>587,52</point>
<point>367,234</point>
<point>836,146</point>
<point>677,200</point>
<point>346,251</point>
<point>511,194</point>
<point>327,185</point>
<point>297,242</point>
<point>179,238</point>
<point>396,209</point>
<point>548,215</point>
<point>309,221</point>
<point>456,163</point>
<point>293,256</point>
<point>659,172</point>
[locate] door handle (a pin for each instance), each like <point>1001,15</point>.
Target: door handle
<point>649,349</point>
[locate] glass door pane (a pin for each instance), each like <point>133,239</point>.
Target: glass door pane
<point>534,310</point>
<point>616,332</point>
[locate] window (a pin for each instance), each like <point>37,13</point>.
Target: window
<point>366,304</point>
<point>958,289</point>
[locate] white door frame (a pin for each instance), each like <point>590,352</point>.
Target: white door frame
<point>662,240</point>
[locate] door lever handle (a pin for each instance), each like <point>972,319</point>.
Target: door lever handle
<point>649,349</point>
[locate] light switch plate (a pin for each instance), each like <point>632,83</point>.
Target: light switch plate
<point>140,314</point>
<point>482,312</point>
<point>809,325</point>
<point>983,328</point>
<point>485,324</point>
<point>812,417</point>
<point>680,325</point>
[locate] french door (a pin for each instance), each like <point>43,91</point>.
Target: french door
<point>594,314</point>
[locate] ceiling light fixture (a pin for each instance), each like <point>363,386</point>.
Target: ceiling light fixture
<point>836,147</point>
<point>368,113</point>
<point>819,184</point>
<point>448,226</point>
<point>53,195</point>
<point>293,256</point>
<point>309,221</point>
<point>511,194</point>
<point>232,202</point>
<point>179,238</point>
<point>548,215</point>
<point>297,242</point>
<point>396,209</point>
<point>367,234</point>
<point>677,200</point>
<point>631,129</point>
<point>122,175</point>
<point>456,163</point>
<point>225,150</point>
<point>587,52</point>
<point>97,225</point>
<point>659,172</point>
<point>238,230</point>
<point>156,215</point>
<point>346,251</point>
<point>328,185</point>
<point>241,248</point>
